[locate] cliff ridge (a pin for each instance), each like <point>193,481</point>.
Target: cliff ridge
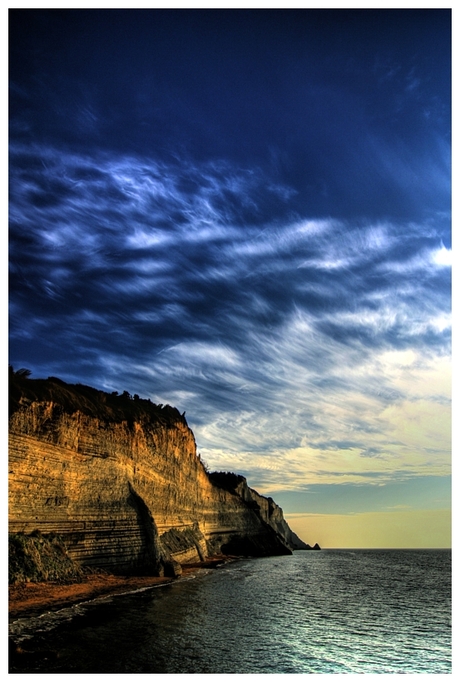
<point>118,479</point>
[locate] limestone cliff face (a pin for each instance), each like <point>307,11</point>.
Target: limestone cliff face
<point>119,479</point>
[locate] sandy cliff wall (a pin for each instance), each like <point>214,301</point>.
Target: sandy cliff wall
<point>120,480</point>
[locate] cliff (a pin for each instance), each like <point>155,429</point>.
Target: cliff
<point>119,480</point>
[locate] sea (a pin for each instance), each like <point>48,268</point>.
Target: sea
<point>317,612</point>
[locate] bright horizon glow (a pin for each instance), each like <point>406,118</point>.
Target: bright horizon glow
<point>410,529</point>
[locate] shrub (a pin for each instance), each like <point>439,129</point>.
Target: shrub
<point>38,558</point>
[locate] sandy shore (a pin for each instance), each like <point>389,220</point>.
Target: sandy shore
<point>29,599</point>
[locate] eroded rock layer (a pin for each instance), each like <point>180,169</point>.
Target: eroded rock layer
<point>119,479</point>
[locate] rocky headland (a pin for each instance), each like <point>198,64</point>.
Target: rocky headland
<point>113,483</point>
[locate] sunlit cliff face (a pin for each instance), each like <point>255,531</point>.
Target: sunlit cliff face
<point>120,480</point>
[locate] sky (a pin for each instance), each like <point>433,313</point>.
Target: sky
<point>246,214</point>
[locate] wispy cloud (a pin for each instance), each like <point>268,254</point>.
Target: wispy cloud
<point>317,342</point>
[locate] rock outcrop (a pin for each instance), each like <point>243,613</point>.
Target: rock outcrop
<point>119,480</point>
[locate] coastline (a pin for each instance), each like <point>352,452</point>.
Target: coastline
<point>31,599</point>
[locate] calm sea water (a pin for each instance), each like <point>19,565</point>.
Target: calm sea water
<point>334,611</point>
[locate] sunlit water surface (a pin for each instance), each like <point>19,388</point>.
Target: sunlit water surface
<point>334,611</point>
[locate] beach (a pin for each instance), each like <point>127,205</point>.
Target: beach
<point>28,599</point>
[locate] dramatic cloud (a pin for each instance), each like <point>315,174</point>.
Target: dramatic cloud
<point>249,220</point>
<point>276,337</point>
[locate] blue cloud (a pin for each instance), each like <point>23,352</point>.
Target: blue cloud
<point>256,230</point>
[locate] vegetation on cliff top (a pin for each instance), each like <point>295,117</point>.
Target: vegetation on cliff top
<point>111,407</point>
